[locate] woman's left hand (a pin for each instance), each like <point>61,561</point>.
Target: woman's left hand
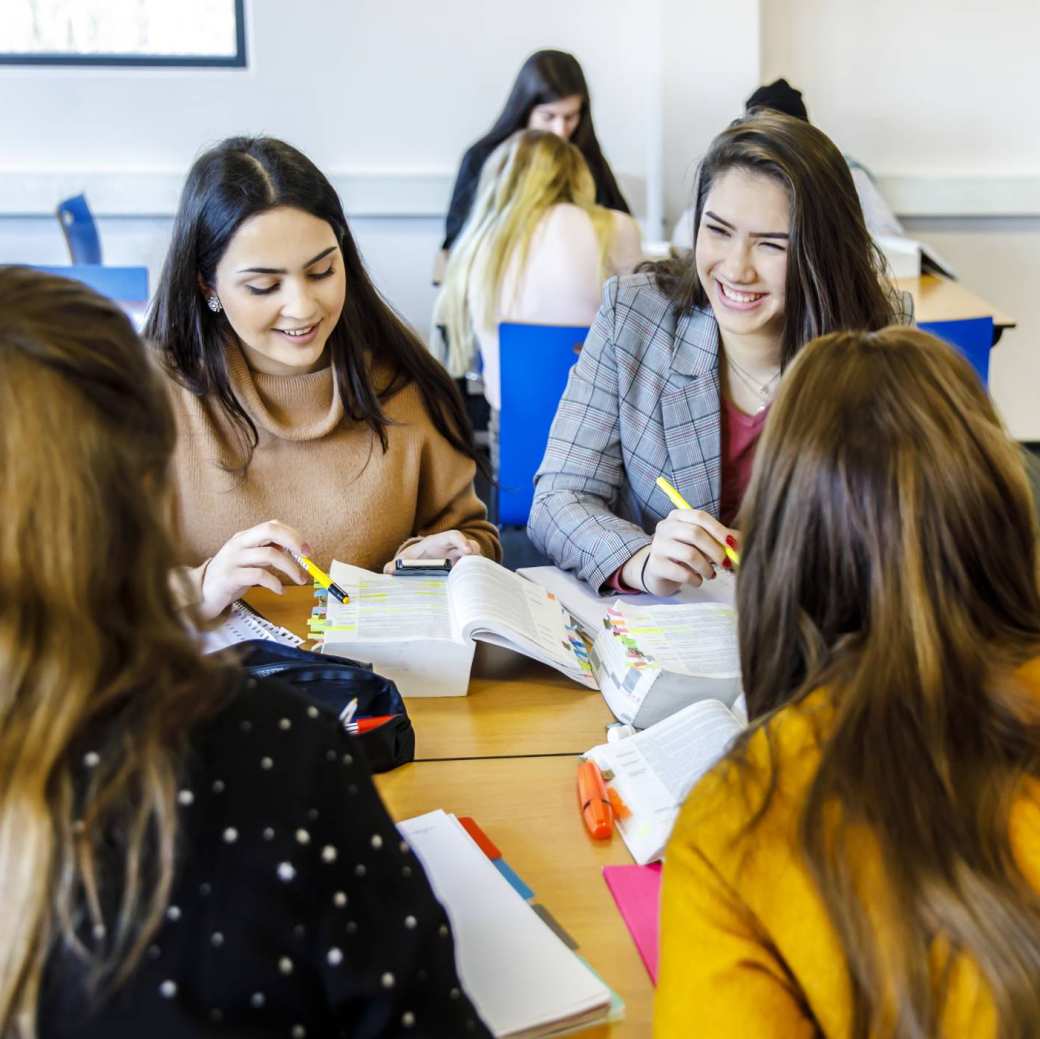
<point>449,544</point>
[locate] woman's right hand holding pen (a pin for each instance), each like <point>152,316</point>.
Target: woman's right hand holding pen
<point>687,547</point>
<point>258,556</point>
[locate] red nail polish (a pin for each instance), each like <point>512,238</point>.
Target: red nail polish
<point>731,541</point>
<point>727,564</point>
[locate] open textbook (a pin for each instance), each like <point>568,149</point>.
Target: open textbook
<point>522,978</point>
<point>419,631</point>
<point>655,769</point>
<point>589,609</point>
<point>651,661</point>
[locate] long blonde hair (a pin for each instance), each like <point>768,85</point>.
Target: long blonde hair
<point>99,681</point>
<point>890,557</point>
<point>522,179</point>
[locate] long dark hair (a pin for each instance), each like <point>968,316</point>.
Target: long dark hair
<point>834,269</point>
<point>548,76</point>
<point>85,447</point>
<point>890,562</point>
<point>227,185</point>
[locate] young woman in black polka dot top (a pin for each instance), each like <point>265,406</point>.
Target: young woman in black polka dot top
<point>183,852</point>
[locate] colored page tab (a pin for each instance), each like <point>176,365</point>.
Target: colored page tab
<point>511,875</point>
<point>482,840</point>
<point>554,925</point>
<point>637,892</point>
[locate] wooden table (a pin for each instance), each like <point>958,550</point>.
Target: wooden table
<point>505,754</point>
<point>528,808</point>
<point>940,299</point>
<point>515,707</point>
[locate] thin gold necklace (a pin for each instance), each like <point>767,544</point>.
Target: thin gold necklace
<point>764,391</point>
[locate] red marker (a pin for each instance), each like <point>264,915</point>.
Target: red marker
<point>593,801</point>
<point>368,724</point>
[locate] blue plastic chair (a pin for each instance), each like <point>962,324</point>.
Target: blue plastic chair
<point>123,284</point>
<point>972,336</point>
<point>534,363</point>
<point>80,230</point>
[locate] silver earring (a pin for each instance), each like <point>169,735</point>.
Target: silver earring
<point>214,304</point>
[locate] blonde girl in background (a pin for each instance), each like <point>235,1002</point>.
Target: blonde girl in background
<point>536,248</point>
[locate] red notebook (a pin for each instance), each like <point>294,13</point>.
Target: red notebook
<point>637,892</point>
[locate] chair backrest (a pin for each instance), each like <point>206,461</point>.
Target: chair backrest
<point>972,336</point>
<point>80,230</point>
<point>123,284</point>
<point>535,361</point>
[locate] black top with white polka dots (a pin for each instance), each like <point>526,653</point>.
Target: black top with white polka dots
<point>298,911</point>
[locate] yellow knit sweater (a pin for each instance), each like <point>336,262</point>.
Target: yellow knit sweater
<point>747,948</point>
<point>319,472</point>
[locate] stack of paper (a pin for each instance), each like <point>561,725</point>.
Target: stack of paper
<point>521,977</point>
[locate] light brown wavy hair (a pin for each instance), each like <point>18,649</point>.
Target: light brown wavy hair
<point>99,682</point>
<point>890,557</point>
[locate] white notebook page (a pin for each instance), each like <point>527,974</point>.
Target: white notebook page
<point>655,770</point>
<point>384,608</point>
<point>516,970</point>
<point>485,595</point>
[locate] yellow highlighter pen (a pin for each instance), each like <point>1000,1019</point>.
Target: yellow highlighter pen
<point>681,503</point>
<point>321,577</point>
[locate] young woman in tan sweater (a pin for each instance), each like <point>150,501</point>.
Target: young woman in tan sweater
<point>310,418</point>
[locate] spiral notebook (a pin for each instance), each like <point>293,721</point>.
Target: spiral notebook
<point>244,623</point>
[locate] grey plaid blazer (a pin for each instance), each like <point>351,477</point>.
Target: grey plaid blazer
<point>642,401</point>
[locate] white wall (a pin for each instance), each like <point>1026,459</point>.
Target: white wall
<point>383,96</point>
<point>938,98</point>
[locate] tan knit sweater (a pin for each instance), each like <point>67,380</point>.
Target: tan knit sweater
<point>319,472</point>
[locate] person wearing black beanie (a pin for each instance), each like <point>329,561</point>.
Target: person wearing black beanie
<point>781,97</point>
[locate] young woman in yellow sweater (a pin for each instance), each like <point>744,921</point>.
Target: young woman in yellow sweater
<point>310,418</point>
<point>866,861</point>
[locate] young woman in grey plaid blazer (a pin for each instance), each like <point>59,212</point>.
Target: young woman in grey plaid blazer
<point>683,359</point>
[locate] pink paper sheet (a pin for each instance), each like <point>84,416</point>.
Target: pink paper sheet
<point>637,891</point>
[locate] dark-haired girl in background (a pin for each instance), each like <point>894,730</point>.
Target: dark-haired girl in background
<point>682,362</point>
<point>303,403</point>
<point>550,93</point>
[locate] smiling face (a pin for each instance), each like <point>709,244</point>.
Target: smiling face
<point>282,284</point>
<point>741,253</point>
<point>558,117</point>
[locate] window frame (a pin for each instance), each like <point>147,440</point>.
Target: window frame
<point>238,60</point>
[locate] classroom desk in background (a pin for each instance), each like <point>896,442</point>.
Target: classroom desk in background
<point>514,707</point>
<point>940,299</point>
<point>528,808</point>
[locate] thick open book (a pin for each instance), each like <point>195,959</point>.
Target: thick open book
<point>419,631</point>
<point>589,609</point>
<point>651,661</point>
<point>521,977</point>
<point>655,769</point>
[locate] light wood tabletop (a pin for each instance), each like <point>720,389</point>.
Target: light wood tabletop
<point>514,707</point>
<point>940,299</point>
<point>528,807</point>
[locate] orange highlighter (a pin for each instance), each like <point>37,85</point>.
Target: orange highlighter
<point>593,801</point>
